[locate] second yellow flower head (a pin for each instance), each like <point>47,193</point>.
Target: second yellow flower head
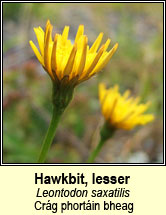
<point>120,111</point>
<point>60,58</point>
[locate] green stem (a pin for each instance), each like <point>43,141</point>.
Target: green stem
<point>96,151</point>
<point>50,135</point>
<point>106,132</point>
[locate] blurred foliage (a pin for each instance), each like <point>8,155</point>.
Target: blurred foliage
<point>137,65</point>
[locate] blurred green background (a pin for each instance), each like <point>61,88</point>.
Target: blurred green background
<point>137,65</point>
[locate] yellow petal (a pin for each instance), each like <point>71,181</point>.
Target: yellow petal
<point>80,32</point>
<point>37,53</point>
<point>70,62</point>
<point>47,51</point>
<point>95,61</point>
<point>147,118</point>
<point>126,94</point>
<point>113,107</point>
<point>53,56</point>
<point>65,34</point>
<point>96,43</point>
<point>40,38</point>
<point>102,63</point>
<point>46,30</point>
<point>102,91</point>
<point>107,44</point>
<point>108,105</point>
<point>83,56</point>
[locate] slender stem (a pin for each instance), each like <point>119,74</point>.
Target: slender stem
<point>106,132</point>
<point>50,135</point>
<point>96,151</point>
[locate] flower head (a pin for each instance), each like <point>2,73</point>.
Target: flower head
<point>120,111</point>
<point>67,62</point>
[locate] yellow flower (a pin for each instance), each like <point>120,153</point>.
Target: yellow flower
<point>120,111</point>
<point>72,62</point>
